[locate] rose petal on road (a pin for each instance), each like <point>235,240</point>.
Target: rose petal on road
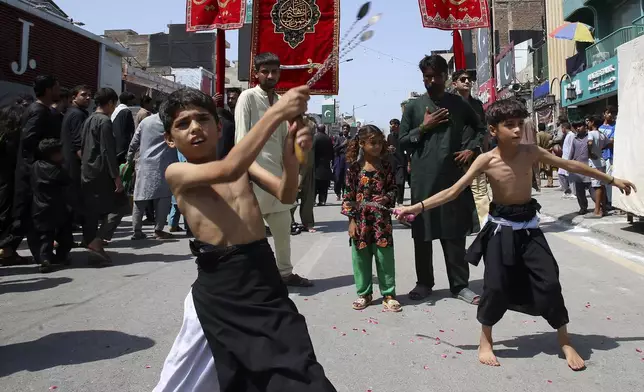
<point>443,355</point>
<point>425,367</point>
<point>638,350</point>
<point>51,388</point>
<point>549,381</point>
<point>148,366</point>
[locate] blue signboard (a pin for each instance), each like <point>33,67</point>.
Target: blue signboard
<point>592,83</point>
<point>542,90</point>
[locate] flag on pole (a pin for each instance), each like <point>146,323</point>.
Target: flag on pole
<point>202,15</point>
<point>328,112</point>
<point>454,14</point>
<point>303,34</point>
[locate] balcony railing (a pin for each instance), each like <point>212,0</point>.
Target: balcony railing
<point>607,47</point>
<point>639,21</point>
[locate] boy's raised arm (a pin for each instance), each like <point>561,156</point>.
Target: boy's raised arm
<point>577,167</point>
<point>243,154</point>
<point>451,193</point>
<point>285,188</point>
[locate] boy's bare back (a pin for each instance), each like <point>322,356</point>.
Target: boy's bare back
<point>511,177</point>
<point>223,214</point>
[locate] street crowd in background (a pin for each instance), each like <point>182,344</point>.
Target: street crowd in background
<point>66,170</point>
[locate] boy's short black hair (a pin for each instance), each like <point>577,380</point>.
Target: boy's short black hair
<point>565,124</point>
<point>64,94</point>
<point>104,96</point>
<point>233,90</point>
<point>49,147</point>
<point>394,121</point>
<point>611,109</point>
<point>541,126</point>
<point>42,83</point>
<point>181,99</point>
<point>145,99</point>
<point>127,97</point>
<point>578,123</point>
<point>504,110</point>
<point>435,62</point>
<point>266,58</point>
<point>597,120</point>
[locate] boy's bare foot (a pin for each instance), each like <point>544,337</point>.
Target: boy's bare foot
<point>575,362</point>
<point>486,354</point>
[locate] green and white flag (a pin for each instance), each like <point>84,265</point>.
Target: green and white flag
<point>328,113</point>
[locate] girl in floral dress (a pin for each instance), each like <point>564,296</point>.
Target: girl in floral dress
<point>370,193</point>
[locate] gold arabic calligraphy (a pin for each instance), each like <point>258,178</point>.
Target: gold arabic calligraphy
<point>295,14</point>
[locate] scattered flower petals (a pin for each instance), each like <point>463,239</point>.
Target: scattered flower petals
<point>392,343</point>
<point>355,329</point>
<point>51,388</point>
<point>638,350</point>
<point>437,339</point>
<point>334,327</point>
<point>411,340</point>
<point>549,381</point>
<point>419,338</point>
<point>306,299</point>
<point>364,330</point>
<point>437,343</point>
<point>425,367</point>
<point>459,352</point>
<point>443,355</point>
<point>343,334</point>
<point>148,366</point>
<point>608,318</point>
<point>440,330</point>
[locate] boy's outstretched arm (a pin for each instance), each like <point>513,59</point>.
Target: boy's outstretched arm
<point>451,193</point>
<point>183,176</point>
<point>285,188</point>
<point>577,167</point>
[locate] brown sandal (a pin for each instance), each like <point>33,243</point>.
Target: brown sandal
<point>362,302</point>
<point>391,305</point>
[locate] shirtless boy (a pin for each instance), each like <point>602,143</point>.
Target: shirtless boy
<point>258,339</point>
<point>520,272</point>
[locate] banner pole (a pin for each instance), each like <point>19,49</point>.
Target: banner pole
<point>220,71</point>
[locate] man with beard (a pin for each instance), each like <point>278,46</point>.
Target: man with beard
<point>250,107</point>
<point>462,83</point>
<point>340,162</point>
<point>103,193</point>
<point>432,131</point>
<point>123,125</point>
<point>398,159</point>
<point>71,139</point>
<point>39,124</point>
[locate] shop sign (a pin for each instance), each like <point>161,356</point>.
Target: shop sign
<point>594,82</point>
<point>487,93</point>
<point>542,102</point>
<point>541,90</point>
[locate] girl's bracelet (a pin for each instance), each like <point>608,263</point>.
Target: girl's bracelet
<point>612,180</point>
<point>422,206</point>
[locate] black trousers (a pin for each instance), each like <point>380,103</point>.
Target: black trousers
<point>258,339</point>
<point>580,192</point>
<point>338,185</point>
<point>322,190</point>
<point>400,193</point>
<point>6,205</point>
<point>45,239</point>
<point>529,283</point>
<point>21,213</point>
<point>458,270</point>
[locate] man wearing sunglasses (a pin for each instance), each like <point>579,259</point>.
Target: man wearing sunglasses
<point>462,84</point>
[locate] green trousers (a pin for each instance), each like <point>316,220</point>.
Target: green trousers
<point>385,266</point>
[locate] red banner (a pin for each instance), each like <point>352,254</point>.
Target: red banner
<point>454,14</point>
<point>487,93</point>
<point>302,33</point>
<point>215,14</point>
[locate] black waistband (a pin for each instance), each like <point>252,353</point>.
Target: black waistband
<point>217,253</point>
<point>515,212</point>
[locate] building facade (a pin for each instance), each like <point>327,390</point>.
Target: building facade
<point>591,80</point>
<point>36,42</point>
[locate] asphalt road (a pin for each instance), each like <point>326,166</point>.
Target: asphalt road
<point>84,329</point>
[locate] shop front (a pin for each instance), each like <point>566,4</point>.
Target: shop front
<point>590,91</point>
<point>35,43</point>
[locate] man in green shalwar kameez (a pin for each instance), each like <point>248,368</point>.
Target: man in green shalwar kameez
<point>434,130</point>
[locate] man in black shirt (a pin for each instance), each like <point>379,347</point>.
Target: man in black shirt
<point>39,124</point>
<point>70,137</point>
<point>123,125</point>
